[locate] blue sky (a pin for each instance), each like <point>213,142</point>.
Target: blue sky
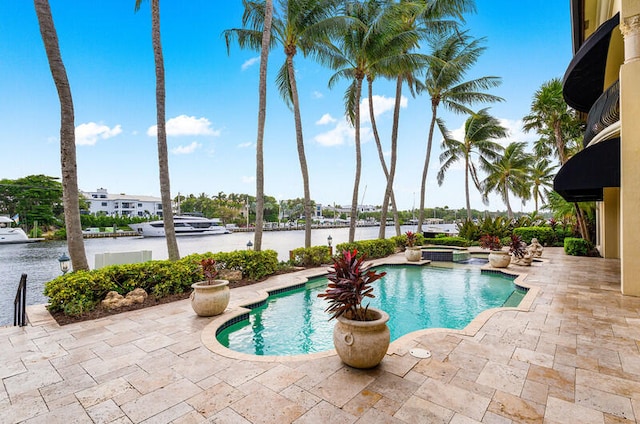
<point>212,102</point>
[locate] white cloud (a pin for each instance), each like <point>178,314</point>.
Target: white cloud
<point>186,125</point>
<point>326,119</point>
<point>248,180</point>
<point>317,95</point>
<point>381,104</point>
<point>185,150</point>
<point>88,134</point>
<point>245,145</point>
<point>516,133</point>
<point>343,133</point>
<point>250,62</point>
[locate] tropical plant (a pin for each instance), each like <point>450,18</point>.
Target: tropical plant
<point>411,238</point>
<point>480,132</point>
<point>209,269</point>
<point>70,193</point>
<point>517,247</point>
<point>350,283</point>
<point>541,175</point>
<point>451,58</point>
<point>303,25</point>
<point>491,242</point>
<point>262,112</point>
<point>509,174</point>
<point>163,154</point>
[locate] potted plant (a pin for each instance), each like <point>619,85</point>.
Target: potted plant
<point>360,336</point>
<point>210,297</point>
<point>412,252</point>
<point>518,249</point>
<point>498,258</point>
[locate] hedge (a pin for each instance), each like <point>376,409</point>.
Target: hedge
<point>81,291</point>
<point>576,246</point>
<point>400,241</point>
<point>311,256</point>
<point>448,241</point>
<point>545,235</point>
<point>377,248</point>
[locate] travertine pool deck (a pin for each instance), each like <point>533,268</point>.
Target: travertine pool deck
<point>572,358</point>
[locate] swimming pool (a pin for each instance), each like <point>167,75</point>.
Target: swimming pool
<point>294,322</point>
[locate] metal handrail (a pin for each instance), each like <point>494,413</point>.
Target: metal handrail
<point>20,303</point>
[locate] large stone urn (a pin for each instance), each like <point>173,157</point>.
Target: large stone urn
<point>210,298</point>
<point>499,258</point>
<point>362,344</point>
<point>413,254</point>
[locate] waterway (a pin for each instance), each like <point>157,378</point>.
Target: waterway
<point>40,260</point>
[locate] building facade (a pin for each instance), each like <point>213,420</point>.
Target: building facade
<point>103,203</point>
<point>603,82</point>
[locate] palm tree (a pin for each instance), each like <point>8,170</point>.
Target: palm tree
<point>262,110</point>
<point>510,174</point>
<point>553,120</point>
<point>302,24</point>
<point>70,192</point>
<point>480,131</point>
<point>541,174</point>
<point>163,155</point>
<point>558,126</point>
<point>370,45</point>
<point>450,59</point>
<point>420,19</point>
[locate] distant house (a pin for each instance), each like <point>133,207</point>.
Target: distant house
<point>103,203</point>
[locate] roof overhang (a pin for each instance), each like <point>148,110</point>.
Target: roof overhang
<point>583,177</point>
<point>583,81</point>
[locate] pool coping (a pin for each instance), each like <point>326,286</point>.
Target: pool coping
<point>399,346</point>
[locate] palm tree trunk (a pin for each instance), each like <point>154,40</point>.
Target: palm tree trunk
<point>70,196</point>
<point>301,156</point>
<point>425,169</point>
<point>163,155</point>
<point>466,185</point>
<point>262,113</point>
<point>356,181</point>
<point>376,136</point>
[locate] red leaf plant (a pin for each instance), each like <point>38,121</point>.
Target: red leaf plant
<point>350,283</point>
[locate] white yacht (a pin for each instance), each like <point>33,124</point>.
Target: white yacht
<point>9,234</point>
<point>185,225</point>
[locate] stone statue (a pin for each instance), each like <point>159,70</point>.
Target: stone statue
<point>535,248</point>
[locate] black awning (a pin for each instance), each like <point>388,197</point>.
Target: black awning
<point>583,81</point>
<point>584,176</point>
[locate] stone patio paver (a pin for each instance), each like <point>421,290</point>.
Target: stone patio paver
<point>571,355</point>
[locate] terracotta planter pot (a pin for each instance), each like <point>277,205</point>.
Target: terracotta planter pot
<point>362,344</point>
<point>209,299</point>
<point>413,254</point>
<point>499,258</point>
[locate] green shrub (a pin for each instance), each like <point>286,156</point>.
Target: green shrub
<point>545,235</point>
<point>576,246</point>
<point>81,291</point>
<point>469,230</point>
<point>448,241</point>
<point>311,256</point>
<point>400,241</point>
<point>377,248</point>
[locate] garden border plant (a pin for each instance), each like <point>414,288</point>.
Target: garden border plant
<point>80,292</point>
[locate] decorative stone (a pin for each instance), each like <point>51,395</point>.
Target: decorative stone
<point>535,248</point>
<point>114,300</point>
<point>524,260</point>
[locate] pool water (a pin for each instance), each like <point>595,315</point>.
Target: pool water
<point>415,298</point>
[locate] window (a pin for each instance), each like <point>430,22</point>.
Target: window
<point>104,204</point>
<point>139,205</point>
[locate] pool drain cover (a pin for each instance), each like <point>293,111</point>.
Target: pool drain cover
<point>420,353</point>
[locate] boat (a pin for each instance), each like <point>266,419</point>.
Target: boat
<point>12,235</point>
<point>184,225</point>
